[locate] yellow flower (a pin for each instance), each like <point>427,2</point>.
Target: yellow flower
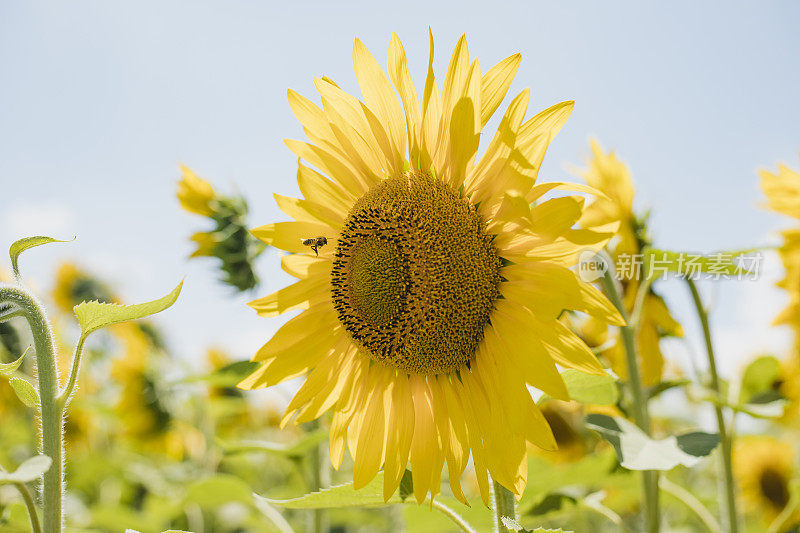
<point>435,301</point>
<point>783,196</point>
<point>74,286</point>
<point>195,194</point>
<point>764,467</point>
<point>610,176</point>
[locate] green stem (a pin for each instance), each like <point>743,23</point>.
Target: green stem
<point>691,502</point>
<point>504,505</point>
<point>33,513</point>
<point>639,403</point>
<point>726,438</point>
<point>317,464</point>
<point>66,394</point>
<point>51,411</point>
<point>457,519</point>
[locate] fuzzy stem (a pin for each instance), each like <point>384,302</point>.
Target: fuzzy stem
<point>726,438</point>
<point>457,519</point>
<point>51,411</point>
<point>66,394</point>
<point>639,403</point>
<point>504,505</point>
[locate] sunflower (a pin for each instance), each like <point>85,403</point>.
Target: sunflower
<point>74,285</point>
<point>782,190</point>
<point>610,176</point>
<point>764,467</point>
<point>229,240</point>
<point>195,194</point>
<point>436,299</point>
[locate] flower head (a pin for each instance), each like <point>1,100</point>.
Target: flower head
<point>764,467</point>
<point>229,241</point>
<point>782,190</point>
<point>195,194</point>
<point>435,302</point>
<point>610,176</point>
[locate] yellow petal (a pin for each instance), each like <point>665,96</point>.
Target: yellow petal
<point>495,84</point>
<point>298,330</point>
<point>303,266</point>
<point>320,190</point>
<point>430,153</point>
<point>381,99</point>
<point>463,130</point>
<point>305,211</point>
<point>371,447</point>
<point>425,441</point>
<point>285,367</point>
<point>289,236</point>
<point>398,439</point>
<point>512,341</point>
<point>295,296</point>
<point>450,416</point>
<point>401,78</point>
<point>324,384</point>
<point>338,170</point>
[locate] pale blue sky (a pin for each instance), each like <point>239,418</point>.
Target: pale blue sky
<point>100,101</point>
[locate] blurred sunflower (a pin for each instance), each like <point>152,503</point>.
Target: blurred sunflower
<point>229,241</point>
<point>782,190</point>
<point>433,299</point>
<point>74,286</point>
<point>764,467</point>
<point>610,176</point>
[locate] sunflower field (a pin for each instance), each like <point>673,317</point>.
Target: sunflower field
<point>435,329</point>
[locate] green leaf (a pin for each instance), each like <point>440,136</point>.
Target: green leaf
<point>406,485</point>
<point>637,451</point>
<point>664,386</point>
<point>25,391</point>
<point>299,449</point>
<point>219,490</point>
<point>6,369</point>
<point>30,470</point>
<point>588,388</point>
<point>95,315</point>
<point>340,496</point>
<point>23,244</point>
<point>227,376</point>
<point>758,379</point>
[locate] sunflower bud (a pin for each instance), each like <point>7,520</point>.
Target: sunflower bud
<point>229,241</point>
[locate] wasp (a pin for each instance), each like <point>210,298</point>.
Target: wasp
<point>315,243</point>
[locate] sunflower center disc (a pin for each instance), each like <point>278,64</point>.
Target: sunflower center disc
<point>774,487</point>
<point>415,275</point>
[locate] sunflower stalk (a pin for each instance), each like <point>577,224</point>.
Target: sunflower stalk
<point>504,504</point>
<point>639,401</point>
<point>51,411</point>
<point>726,437</point>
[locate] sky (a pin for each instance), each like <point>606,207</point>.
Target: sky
<point>101,101</point>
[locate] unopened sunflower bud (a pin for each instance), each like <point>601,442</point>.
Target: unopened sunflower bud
<point>229,240</point>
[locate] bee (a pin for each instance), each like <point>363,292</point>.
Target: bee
<point>314,243</point>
